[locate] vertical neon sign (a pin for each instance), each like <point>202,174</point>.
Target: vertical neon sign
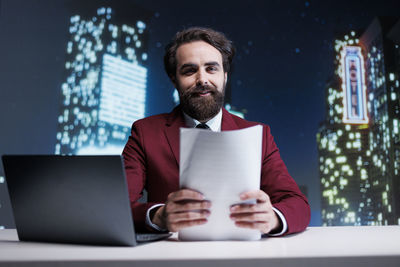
<point>353,85</point>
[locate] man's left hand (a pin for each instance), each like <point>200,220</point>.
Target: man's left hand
<point>259,216</point>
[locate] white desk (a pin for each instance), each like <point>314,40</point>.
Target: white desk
<point>317,246</point>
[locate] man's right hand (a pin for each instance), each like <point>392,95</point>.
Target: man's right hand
<point>184,208</point>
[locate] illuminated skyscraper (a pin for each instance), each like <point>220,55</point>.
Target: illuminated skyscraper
<point>358,143</point>
<point>343,140</point>
<point>105,81</point>
<point>381,42</point>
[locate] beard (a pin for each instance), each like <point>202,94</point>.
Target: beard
<point>200,107</point>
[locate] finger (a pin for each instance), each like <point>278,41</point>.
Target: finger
<point>173,207</point>
<point>250,208</point>
<point>188,216</point>
<point>250,217</point>
<point>185,194</point>
<point>175,227</point>
<point>260,195</point>
<point>263,227</point>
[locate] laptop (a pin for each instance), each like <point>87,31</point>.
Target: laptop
<point>72,199</point>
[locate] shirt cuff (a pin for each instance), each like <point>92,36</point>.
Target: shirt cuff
<point>149,222</point>
<point>284,223</point>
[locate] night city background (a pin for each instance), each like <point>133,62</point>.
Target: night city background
<point>285,59</point>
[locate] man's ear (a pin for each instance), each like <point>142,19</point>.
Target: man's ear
<point>226,78</point>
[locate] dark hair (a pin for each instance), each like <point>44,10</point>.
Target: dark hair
<point>214,38</point>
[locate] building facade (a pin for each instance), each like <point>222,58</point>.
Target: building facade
<point>343,138</point>
<point>104,90</point>
<point>381,43</point>
<point>358,140</point>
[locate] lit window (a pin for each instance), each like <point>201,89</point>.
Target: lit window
<point>356,144</point>
<point>341,159</point>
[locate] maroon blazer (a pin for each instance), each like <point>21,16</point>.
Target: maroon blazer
<point>151,158</point>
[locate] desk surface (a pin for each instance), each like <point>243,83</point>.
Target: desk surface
<point>327,246</point>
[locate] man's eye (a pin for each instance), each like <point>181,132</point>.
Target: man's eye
<point>212,69</point>
<point>188,72</point>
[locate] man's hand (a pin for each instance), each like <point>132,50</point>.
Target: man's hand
<point>183,208</point>
<point>259,216</point>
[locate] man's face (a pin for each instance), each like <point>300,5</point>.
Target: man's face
<point>200,79</point>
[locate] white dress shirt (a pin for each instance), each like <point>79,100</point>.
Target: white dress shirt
<point>215,125</point>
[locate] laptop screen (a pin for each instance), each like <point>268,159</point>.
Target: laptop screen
<point>72,199</point>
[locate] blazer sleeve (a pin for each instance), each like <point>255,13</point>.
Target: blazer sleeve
<point>283,191</point>
<point>134,156</point>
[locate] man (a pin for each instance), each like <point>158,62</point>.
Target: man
<point>198,61</point>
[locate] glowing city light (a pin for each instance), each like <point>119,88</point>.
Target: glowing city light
<point>353,85</point>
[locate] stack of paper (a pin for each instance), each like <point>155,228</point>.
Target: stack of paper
<point>220,165</point>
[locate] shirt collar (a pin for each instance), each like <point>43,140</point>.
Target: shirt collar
<point>214,123</point>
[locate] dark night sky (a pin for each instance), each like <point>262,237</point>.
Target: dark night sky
<point>284,56</point>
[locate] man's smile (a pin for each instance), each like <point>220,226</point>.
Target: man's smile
<point>206,93</point>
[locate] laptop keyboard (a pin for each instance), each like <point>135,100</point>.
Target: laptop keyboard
<point>147,237</point>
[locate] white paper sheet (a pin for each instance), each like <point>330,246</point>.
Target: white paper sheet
<point>220,165</point>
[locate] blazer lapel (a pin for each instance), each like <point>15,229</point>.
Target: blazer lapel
<point>228,123</point>
<point>175,120</point>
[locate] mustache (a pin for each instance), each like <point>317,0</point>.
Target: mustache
<point>202,88</point>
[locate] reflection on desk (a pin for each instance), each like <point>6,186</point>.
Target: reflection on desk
<point>317,246</point>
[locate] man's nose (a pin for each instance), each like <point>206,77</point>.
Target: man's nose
<point>202,78</point>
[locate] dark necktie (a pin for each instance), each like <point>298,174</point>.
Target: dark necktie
<point>203,126</point>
